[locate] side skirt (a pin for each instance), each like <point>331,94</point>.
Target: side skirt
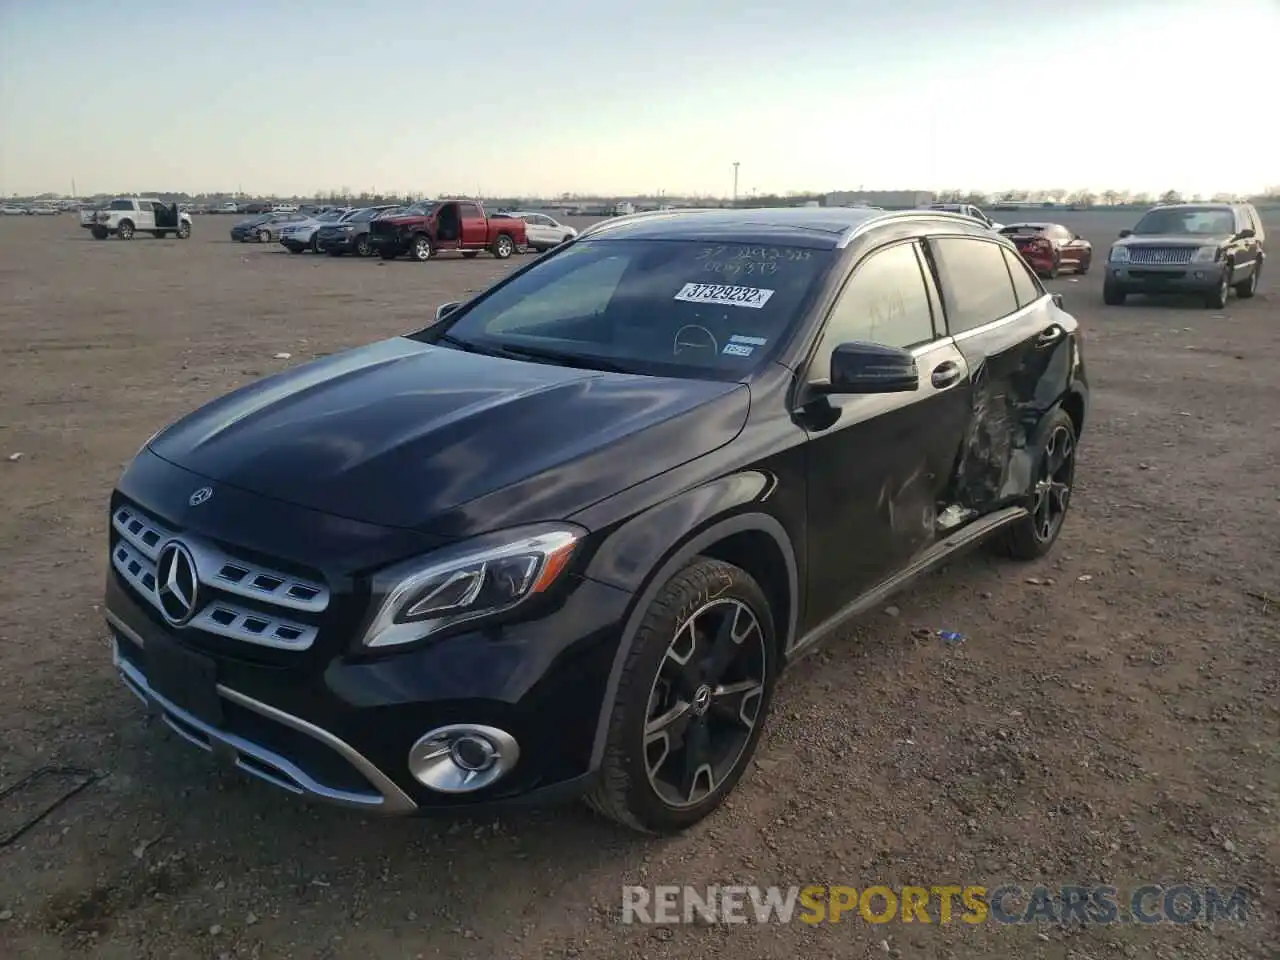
<point>963,539</point>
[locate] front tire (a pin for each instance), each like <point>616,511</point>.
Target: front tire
<point>1217,299</point>
<point>1084,266</point>
<point>99,233</point>
<point>125,230</point>
<point>363,247</point>
<point>1056,268</point>
<point>1247,288</point>
<point>264,236</point>
<point>692,700</point>
<point>420,248</point>
<point>184,231</point>
<point>1113,296</point>
<point>1050,495</point>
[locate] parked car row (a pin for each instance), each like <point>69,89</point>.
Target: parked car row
<point>419,231</point>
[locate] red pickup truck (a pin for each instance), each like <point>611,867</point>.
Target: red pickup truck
<point>428,228</point>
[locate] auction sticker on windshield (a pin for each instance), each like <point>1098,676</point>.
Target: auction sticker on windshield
<point>725,295</point>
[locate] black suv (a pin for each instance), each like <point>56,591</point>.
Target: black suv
<point>563,540</point>
<point>1202,248</point>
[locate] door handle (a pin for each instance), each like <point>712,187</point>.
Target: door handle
<point>1050,335</point>
<point>945,374</point>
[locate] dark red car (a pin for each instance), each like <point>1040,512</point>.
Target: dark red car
<point>1050,247</point>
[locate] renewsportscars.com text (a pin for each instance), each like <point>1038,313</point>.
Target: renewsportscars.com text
<point>940,904</point>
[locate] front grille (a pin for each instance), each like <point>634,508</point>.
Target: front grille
<point>1161,254</point>
<point>280,604</point>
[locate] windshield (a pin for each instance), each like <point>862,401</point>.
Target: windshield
<point>661,307</point>
<point>331,216</point>
<point>418,209</point>
<point>1192,221</point>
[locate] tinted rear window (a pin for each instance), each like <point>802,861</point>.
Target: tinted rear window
<point>121,205</point>
<point>682,308</point>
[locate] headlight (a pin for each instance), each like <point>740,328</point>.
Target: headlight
<point>1119,254</point>
<point>1205,255</point>
<point>452,586</point>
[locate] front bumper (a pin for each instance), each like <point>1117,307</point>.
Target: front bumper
<point>334,725</point>
<point>1172,278</point>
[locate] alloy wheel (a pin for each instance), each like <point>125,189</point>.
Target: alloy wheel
<point>704,702</point>
<point>1052,491</point>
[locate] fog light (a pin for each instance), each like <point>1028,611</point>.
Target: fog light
<point>1199,274</point>
<point>462,757</point>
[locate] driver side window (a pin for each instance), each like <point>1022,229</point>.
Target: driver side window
<point>578,293</point>
<point>885,301</point>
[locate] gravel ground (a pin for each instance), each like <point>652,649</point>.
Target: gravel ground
<point>1111,716</point>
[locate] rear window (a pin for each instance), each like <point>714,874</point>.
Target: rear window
<point>664,307</point>
<point>121,205</point>
<point>1024,229</point>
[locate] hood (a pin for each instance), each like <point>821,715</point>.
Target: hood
<point>1172,240</point>
<point>406,434</point>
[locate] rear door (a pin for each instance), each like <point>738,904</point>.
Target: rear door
<point>1010,334</point>
<point>475,228</point>
<point>145,217</point>
<point>878,464</point>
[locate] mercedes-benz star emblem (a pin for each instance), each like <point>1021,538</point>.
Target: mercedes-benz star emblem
<point>200,496</point>
<point>176,583</point>
<point>701,700</point>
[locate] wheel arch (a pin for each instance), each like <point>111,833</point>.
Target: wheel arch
<point>754,541</point>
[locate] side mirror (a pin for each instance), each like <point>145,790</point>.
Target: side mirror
<point>1057,300</point>
<point>861,368</point>
<point>1125,233</point>
<point>1248,233</point>
<point>445,309</point>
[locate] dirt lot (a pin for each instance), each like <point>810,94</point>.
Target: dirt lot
<point>1112,716</point>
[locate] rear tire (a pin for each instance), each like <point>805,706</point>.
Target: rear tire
<point>1084,266</point>
<point>683,690</point>
<point>1056,268</point>
<point>1113,296</point>
<point>363,247</point>
<point>1049,498</point>
<point>1246,289</point>
<point>503,247</point>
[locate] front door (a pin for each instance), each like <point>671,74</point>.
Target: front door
<point>1011,335</point>
<point>877,465</point>
<point>146,216</point>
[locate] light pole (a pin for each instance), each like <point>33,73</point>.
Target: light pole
<point>735,183</point>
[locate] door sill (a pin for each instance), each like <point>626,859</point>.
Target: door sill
<point>948,547</point>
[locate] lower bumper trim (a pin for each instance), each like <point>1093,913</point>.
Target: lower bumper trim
<point>257,760</point>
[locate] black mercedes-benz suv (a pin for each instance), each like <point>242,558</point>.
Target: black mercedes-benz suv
<point>563,540</point>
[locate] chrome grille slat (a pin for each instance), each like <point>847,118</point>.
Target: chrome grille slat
<point>237,623</point>
<point>143,532</point>
<point>134,556</point>
<point>1156,255</point>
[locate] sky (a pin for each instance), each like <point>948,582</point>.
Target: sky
<point>552,96</point>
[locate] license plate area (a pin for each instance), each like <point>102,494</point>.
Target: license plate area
<point>187,680</point>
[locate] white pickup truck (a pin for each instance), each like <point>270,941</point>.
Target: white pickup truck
<point>125,216</point>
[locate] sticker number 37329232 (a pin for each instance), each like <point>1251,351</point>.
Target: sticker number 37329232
<point>723,294</point>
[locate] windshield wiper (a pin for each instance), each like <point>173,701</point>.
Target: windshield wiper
<point>564,359</point>
<point>466,345</point>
